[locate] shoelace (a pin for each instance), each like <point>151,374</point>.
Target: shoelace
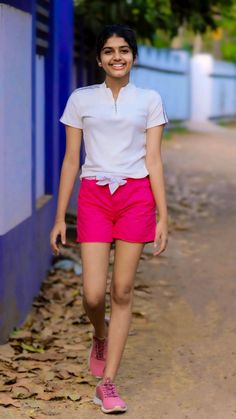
<point>99,348</point>
<point>109,389</point>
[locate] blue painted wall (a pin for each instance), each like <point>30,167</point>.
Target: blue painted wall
<point>25,254</point>
<point>66,34</point>
<point>25,258</point>
<point>168,72</point>
<point>25,5</point>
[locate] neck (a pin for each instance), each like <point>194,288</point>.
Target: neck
<point>116,84</point>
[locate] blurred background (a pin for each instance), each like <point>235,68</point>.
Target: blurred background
<point>187,51</point>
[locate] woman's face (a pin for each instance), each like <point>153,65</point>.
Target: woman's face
<point>116,57</point>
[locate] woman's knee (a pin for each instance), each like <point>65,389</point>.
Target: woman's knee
<point>122,295</point>
<point>93,300</point>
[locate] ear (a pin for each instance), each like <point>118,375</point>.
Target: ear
<point>99,62</point>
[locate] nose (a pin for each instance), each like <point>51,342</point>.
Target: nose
<point>116,55</point>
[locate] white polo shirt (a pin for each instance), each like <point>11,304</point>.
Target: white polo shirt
<point>114,131</point>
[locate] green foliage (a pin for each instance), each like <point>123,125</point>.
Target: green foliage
<point>157,21</point>
<point>199,15</point>
<point>144,16</point>
<point>228,49</point>
<point>149,17</point>
<point>228,44</point>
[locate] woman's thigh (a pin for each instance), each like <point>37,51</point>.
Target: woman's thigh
<point>95,262</point>
<point>126,261</point>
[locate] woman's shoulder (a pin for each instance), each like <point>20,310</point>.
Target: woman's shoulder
<point>149,94</point>
<point>84,91</point>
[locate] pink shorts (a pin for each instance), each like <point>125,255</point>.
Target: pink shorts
<point>129,214</point>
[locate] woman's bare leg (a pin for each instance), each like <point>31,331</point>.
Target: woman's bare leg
<point>127,256</point>
<point>95,262</point>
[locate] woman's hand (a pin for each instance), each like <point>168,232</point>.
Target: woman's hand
<point>59,229</point>
<point>161,237</point>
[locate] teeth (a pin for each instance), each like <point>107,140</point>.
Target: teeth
<point>117,65</point>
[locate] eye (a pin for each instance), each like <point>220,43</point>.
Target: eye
<point>107,51</point>
<point>125,51</point>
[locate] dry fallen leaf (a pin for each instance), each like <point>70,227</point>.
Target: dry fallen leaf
<point>28,366</point>
<point>142,294</point>
<point>4,360</point>
<point>62,373</point>
<point>46,356</point>
<point>31,348</point>
<point>6,400</point>
<point>74,369</point>
<point>76,347</point>
<point>143,287</point>
<point>87,379</point>
<point>22,393</point>
<point>46,375</point>
<point>84,400</point>
<point>6,351</point>
<point>10,378</point>
<point>51,351</point>
<point>139,314</point>
<point>5,388</point>
<point>57,395</point>
<point>20,334</point>
<point>74,397</point>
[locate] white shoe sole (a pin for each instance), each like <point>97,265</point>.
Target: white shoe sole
<point>98,402</point>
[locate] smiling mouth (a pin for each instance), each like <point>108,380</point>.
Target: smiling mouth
<point>117,66</point>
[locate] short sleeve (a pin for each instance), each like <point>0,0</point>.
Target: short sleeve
<point>156,111</point>
<point>71,114</point>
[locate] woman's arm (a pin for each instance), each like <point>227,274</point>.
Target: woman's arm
<point>69,172</point>
<point>155,168</point>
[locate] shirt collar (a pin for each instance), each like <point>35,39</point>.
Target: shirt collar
<point>127,87</point>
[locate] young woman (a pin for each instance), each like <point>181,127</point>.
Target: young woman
<point>121,185</point>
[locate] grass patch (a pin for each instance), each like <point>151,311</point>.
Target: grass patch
<point>174,129</point>
<point>227,123</point>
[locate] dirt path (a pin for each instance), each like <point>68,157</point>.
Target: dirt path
<point>180,359</point>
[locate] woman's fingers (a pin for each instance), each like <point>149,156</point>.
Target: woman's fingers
<point>58,231</point>
<point>161,238</point>
<point>163,244</point>
<point>53,243</point>
<point>157,243</point>
<point>63,236</point>
<point>160,244</point>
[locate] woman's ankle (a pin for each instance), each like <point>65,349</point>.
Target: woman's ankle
<point>102,333</point>
<point>110,375</point>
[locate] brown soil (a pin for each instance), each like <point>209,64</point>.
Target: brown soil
<point>179,361</point>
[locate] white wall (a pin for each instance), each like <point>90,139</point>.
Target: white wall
<point>201,86</point>
<point>213,85</point>
<point>15,114</point>
<point>166,71</point>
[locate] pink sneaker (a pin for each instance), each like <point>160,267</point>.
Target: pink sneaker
<point>97,357</point>
<point>108,398</point>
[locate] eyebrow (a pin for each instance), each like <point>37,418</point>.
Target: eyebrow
<point>122,46</point>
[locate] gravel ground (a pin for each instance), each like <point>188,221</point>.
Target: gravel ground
<point>179,362</point>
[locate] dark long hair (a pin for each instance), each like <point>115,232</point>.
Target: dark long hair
<point>123,31</point>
